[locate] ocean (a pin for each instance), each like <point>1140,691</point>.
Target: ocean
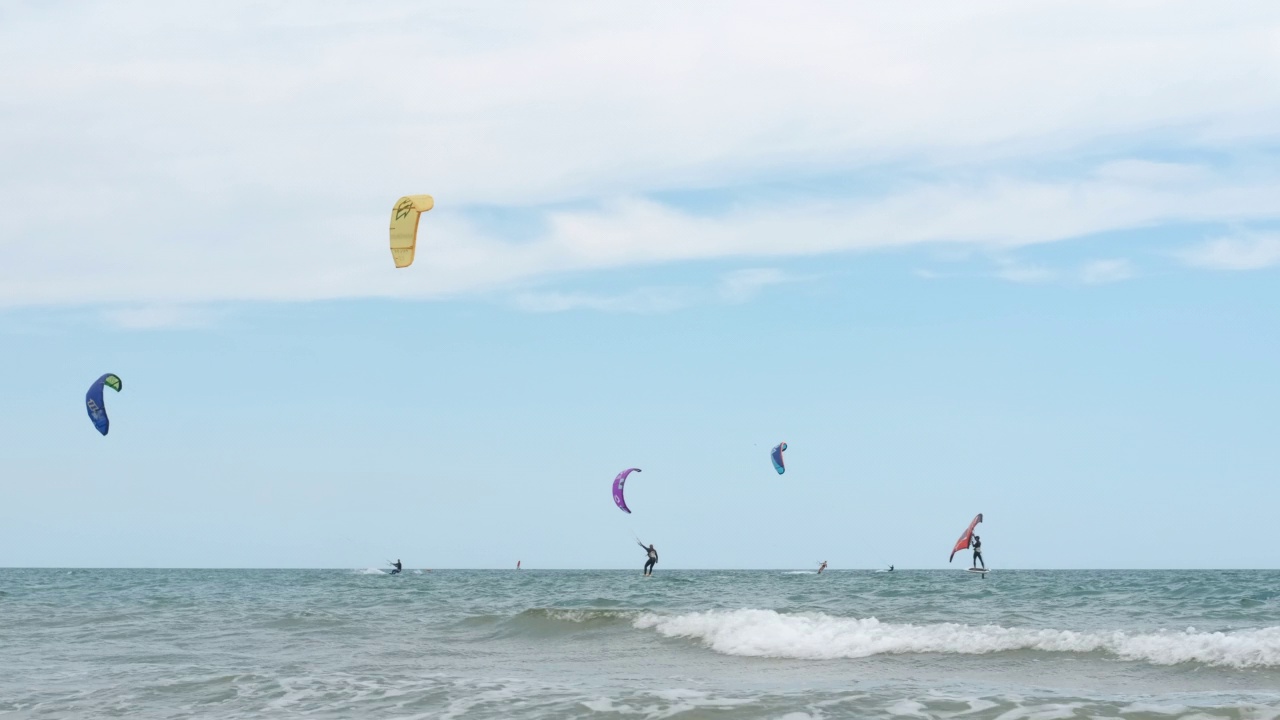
<point>1039,645</point>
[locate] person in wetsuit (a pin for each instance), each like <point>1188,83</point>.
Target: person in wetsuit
<point>398,567</point>
<point>653,558</point>
<point>890,568</point>
<point>822,567</point>
<point>976,543</point>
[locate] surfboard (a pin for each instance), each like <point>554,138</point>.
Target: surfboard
<point>984,571</point>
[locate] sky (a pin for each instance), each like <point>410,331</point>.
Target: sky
<point>1013,258</point>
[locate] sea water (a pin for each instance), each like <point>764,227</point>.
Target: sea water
<point>1039,645</point>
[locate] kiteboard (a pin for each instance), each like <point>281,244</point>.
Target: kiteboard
<point>984,571</point>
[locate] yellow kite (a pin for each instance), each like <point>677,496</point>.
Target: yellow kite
<point>404,226</point>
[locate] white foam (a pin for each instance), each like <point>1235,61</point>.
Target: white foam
<point>909,708</point>
<point>1049,711</point>
<point>669,703</point>
<point>605,705</point>
<point>368,571</point>
<point>1153,709</point>
<point>976,705</point>
<point>766,633</point>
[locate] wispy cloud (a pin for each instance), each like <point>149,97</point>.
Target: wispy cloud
<point>642,301</point>
<point>736,287</point>
<point>158,317</point>
<point>1241,252</point>
<point>320,257</point>
<point>1099,272</point>
<point>1017,272</point>
<point>743,285</point>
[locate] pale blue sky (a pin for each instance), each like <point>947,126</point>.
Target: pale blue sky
<point>1001,259</point>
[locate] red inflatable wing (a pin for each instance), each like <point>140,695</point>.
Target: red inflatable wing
<point>963,542</point>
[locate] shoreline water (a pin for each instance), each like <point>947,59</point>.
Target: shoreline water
<point>729,644</point>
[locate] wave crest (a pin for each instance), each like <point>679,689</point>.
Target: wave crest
<point>816,636</point>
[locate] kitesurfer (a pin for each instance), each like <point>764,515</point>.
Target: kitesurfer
<point>398,567</point>
<point>822,567</point>
<point>890,568</point>
<point>976,544</point>
<point>653,558</point>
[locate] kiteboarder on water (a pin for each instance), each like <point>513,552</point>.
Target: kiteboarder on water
<point>653,558</point>
<point>397,567</point>
<point>822,567</point>
<point>976,544</point>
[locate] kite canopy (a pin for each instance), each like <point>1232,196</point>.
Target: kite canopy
<point>404,226</point>
<point>619,483</point>
<point>776,456</point>
<point>963,542</point>
<point>94,403</point>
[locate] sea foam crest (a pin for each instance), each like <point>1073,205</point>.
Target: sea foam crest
<point>815,636</point>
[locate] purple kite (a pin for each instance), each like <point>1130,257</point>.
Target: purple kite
<point>618,483</point>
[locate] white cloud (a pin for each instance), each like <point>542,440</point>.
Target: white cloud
<point>1106,271</point>
<point>642,301</point>
<point>1145,172</point>
<point>157,317</point>
<point>1245,252</point>
<point>1023,274</point>
<point>194,152</point>
<point>1094,273</point>
<point>735,287</point>
<point>743,285</point>
<point>183,260</point>
<point>531,106</point>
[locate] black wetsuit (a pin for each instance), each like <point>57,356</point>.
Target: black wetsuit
<point>653,559</point>
<point>976,544</point>
<point>397,567</point>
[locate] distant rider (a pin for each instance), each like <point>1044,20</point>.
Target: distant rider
<point>822,567</point>
<point>976,543</point>
<point>890,568</point>
<point>653,558</point>
<point>398,567</point>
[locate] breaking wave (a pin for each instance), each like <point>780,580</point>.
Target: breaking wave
<point>816,636</point>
